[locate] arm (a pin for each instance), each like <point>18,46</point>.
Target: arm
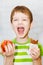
<point>8,60</point>
<point>37,61</point>
<point>9,54</point>
<point>7,49</point>
<point>35,53</point>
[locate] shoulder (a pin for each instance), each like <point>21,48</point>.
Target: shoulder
<point>41,48</point>
<point>13,40</point>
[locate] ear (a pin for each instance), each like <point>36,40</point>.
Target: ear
<point>31,24</point>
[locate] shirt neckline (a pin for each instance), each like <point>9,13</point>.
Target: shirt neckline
<point>28,41</point>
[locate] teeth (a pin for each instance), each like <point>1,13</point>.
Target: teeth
<point>20,27</point>
<point>20,30</point>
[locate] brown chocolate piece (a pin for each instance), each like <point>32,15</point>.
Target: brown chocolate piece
<point>34,41</point>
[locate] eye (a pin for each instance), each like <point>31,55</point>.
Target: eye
<point>24,19</point>
<point>15,19</point>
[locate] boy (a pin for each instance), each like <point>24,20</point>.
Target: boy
<point>18,53</point>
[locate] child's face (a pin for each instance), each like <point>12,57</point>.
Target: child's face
<point>21,24</point>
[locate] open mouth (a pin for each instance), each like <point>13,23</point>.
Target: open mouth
<point>20,30</point>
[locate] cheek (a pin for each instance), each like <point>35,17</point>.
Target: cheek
<point>14,26</point>
<point>27,26</point>
<point>27,23</point>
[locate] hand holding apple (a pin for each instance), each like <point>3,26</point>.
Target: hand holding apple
<point>5,42</point>
<point>8,48</point>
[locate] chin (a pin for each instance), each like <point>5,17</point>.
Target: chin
<point>21,36</point>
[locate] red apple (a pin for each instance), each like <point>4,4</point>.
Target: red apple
<point>5,42</point>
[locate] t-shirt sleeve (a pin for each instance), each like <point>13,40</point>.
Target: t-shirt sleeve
<point>41,49</point>
<point>13,41</point>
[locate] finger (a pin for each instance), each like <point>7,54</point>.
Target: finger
<point>35,50</point>
<point>13,46</point>
<point>6,49</point>
<point>33,56</point>
<point>9,47</point>
<point>35,53</point>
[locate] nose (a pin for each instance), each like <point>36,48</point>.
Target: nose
<point>20,21</point>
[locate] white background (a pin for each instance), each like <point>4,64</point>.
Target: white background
<point>6,6</point>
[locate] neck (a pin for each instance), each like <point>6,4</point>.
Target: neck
<point>23,40</point>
